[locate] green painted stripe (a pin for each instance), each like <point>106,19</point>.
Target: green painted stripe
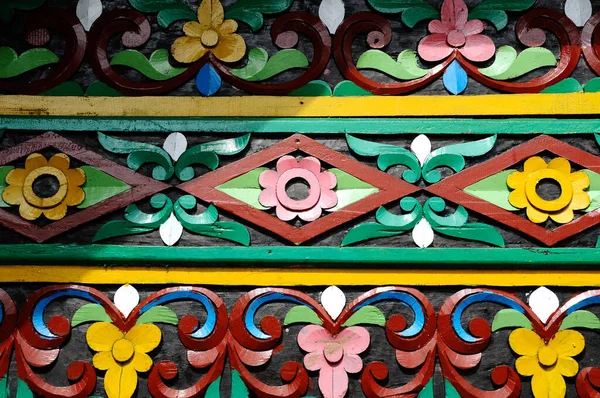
<point>308,125</point>
<point>327,257</point>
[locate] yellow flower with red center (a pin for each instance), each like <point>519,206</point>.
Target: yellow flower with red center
<point>21,192</point>
<point>212,33</point>
<point>547,363</point>
<point>572,185</point>
<point>122,355</point>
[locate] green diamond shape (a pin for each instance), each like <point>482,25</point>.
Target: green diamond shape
<point>100,186</point>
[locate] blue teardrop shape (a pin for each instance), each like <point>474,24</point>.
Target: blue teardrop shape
<point>208,80</point>
<point>455,78</point>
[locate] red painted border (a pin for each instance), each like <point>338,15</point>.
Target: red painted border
<point>452,188</point>
<point>390,188</point>
<point>141,187</point>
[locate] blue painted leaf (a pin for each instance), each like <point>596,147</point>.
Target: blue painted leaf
<point>208,80</point>
<point>455,78</point>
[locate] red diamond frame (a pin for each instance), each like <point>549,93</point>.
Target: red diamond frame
<point>390,188</point>
<point>452,188</point>
<point>141,187</point>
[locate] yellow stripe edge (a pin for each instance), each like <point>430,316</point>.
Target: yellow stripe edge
<point>262,106</point>
<point>293,277</point>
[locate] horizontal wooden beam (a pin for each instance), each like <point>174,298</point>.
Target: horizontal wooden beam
<point>259,106</point>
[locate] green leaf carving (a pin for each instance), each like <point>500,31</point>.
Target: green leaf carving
<point>592,86</point>
<point>99,186</point>
<point>90,313</point>
<point>509,318</point>
<point>169,11</point>
<point>346,88</point>
<point>450,390</point>
<point>367,315</point>
<point>302,314</point>
<point>159,202</point>
<point>427,391</point>
<point>494,190</point>
<point>155,68</point>
<point>101,89</point>
<point>316,88</point>
<point>495,10</point>
<point>12,65</point>
<point>238,388</point>
<point>350,189</point>
<point>509,65</point>
<point>260,67</point>
<point>246,188</point>
<point>232,231</point>
<point>388,156</point>
<point>158,314</point>
<point>229,146</point>
<point>251,11</point>
<point>8,7</point>
<point>3,172</point>
<point>65,89</point>
<point>580,319</point>
<point>115,228</point>
<point>140,153</point>
<point>593,191</point>
<point>569,85</point>
<point>413,11</point>
<point>452,156</point>
<point>188,202</point>
<point>405,68</point>
<point>370,230</point>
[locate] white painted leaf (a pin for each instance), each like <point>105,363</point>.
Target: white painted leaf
<point>422,234</point>
<point>334,301</point>
<point>332,14</point>
<point>421,147</point>
<point>175,145</point>
<point>171,230</point>
<point>126,298</point>
<point>579,11</point>
<point>88,11</point>
<point>543,303</point>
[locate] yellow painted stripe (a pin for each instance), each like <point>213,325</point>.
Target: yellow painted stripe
<point>293,277</point>
<point>258,106</point>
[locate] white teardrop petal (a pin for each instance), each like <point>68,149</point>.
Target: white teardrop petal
<point>171,230</point>
<point>422,234</point>
<point>332,14</point>
<point>175,145</point>
<point>126,298</point>
<point>579,11</point>
<point>543,302</point>
<point>334,301</point>
<point>88,11</point>
<point>421,147</point>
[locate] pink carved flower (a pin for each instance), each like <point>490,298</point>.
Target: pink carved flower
<point>320,188</point>
<point>333,356</point>
<point>454,32</point>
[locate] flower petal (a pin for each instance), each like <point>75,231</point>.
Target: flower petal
<point>144,337</point>
<point>455,13</point>
<point>548,384</point>
<point>580,200</point>
<point>141,362</point>
<point>355,339</point>
<point>57,212</point>
<point>525,342</point>
<point>560,164</point>
<point>473,27</point>
<point>76,177</point>
<point>567,343</point>
<point>284,214</point>
<point>333,381</point>
<point>13,194</point>
<point>567,366</point>
<point>352,363</point>
<point>313,338</point>
<point>527,365</point>
<point>268,179</point>
<point>210,13</point>
<point>193,29</point>
<point>16,177</point>
<point>286,163</point>
<point>434,48</point>
<point>327,179</point>
<point>518,198</point>
<point>478,48</point>
<point>311,214</point>
<point>120,381</point>
<point>75,196</point>
<point>104,360</point>
<point>268,198</point>
<point>314,360</point>
<point>102,335</point>
<point>34,161</point>
<point>564,216</point>
<point>188,49</point>
<point>437,26</point>
<point>228,26</point>
<point>311,164</point>
<point>579,180</point>
<point>532,164</point>
<point>516,179</point>
<point>535,215</point>
<point>328,199</point>
<point>29,212</point>
<point>230,48</point>
<point>60,161</point>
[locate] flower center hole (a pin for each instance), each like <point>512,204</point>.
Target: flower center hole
<point>46,186</point>
<point>297,189</point>
<point>548,189</point>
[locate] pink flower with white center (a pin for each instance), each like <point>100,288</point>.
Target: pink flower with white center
<point>333,356</point>
<point>320,188</point>
<point>454,32</point>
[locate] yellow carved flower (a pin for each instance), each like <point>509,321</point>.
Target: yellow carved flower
<point>122,355</point>
<point>572,185</point>
<point>20,190</point>
<point>211,33</point>
<point>547,363</point>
